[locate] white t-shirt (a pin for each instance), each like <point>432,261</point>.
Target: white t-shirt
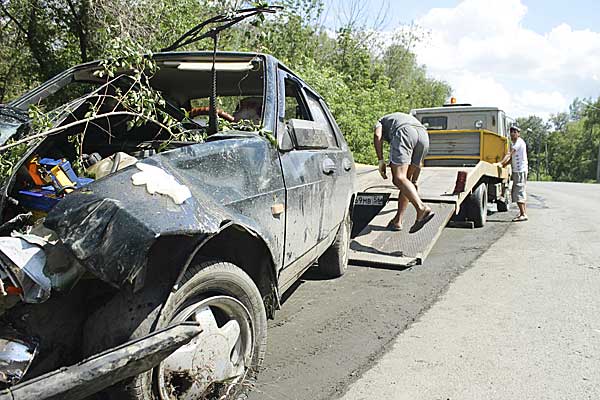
<point>519,156</point>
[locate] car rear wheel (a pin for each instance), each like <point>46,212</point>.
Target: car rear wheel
<point>223,360</point>
<point>334,261</point>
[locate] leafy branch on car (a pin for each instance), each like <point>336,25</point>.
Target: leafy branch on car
<point>127,73</point>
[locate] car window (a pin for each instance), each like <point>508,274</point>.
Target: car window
<point>336,127</point>
<point>319,116</point>
<point>294,106</point>
<point>236,108</point>
<point>435,123</point>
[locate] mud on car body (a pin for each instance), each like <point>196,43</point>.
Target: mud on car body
<point>204,236</point>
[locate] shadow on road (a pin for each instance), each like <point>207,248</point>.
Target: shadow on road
<point>288,293</point>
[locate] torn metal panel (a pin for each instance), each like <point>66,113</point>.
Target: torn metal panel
<point>61,269</point>
<point>24,263</point>
<point>103,235</point>
<point>16,355</point>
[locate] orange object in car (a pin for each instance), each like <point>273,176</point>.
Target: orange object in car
<point>33,169</point>
<point>13,290</point>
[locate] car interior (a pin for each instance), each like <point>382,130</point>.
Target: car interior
<point>83,152</point>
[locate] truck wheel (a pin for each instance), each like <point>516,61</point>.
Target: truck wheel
<point>221,362</point>
<point>334,262</point>
<point>477,206</point>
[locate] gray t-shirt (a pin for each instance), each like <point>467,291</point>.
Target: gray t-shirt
<point>393,122</point>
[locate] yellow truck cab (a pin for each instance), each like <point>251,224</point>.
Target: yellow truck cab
<point>472,139</point>
<point>462,135</point>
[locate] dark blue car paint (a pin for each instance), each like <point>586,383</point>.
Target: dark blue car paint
<point>234,177</point>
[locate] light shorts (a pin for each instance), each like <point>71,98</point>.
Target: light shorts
<point>519,180</point>
<point>409,145</point>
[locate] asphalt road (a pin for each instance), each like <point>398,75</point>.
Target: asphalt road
<point>329,332</point>
<point>522,323</point>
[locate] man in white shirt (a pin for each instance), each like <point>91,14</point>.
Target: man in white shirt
<point>518,158</point>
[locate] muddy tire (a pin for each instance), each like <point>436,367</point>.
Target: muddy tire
<point>477,206</point>
<point>226,302</point>
<point>334,262</point>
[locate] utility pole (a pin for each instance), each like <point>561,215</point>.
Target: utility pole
<point>546,155</point>
<point>538,158</point>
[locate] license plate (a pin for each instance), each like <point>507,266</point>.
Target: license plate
<point>364,199</point>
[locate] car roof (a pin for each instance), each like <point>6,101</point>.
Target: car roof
<point>233,55</point>
<point>164,56</point>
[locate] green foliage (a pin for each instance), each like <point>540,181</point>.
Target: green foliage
<point>127,73</point>
<point>360,79</point>
<point>570,151</point>
<point>15,151</point>
<point>9,158</point>
<point>246,125</point>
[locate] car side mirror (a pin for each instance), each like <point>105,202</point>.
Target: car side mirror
<point>307,135</point>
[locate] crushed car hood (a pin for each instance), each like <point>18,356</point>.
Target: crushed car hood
<point>111,224</point>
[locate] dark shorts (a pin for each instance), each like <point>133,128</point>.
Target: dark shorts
<point>409,145</point>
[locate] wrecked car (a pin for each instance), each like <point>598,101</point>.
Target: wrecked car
<point>110,243</point>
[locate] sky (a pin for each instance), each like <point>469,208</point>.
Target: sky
<point>524,56</point>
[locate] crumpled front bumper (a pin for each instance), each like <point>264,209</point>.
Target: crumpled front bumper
<point>101,370</point>
<point>37,263</point>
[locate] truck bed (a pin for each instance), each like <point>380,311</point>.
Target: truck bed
<point>377,244</point>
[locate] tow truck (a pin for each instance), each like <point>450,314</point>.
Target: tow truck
<point>460,178</point>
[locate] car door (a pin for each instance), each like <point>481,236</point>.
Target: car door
<point>305,182</point>
<point>338,161</point>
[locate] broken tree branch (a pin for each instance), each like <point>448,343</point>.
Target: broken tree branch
<point>80,122</point>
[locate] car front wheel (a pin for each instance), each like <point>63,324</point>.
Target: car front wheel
<point>223,360</point>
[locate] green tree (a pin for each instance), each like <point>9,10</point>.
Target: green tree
<point>534,131</point>
<point>559,120</point>
<point>360,79</point>
<point>574,145</point>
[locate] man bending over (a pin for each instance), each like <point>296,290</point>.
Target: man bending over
<point>409,143</point>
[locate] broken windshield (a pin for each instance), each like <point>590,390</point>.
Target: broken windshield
<point>184,83</point>
<point>240,88</point>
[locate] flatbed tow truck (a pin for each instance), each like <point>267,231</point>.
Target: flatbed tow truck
<point>458,181</point>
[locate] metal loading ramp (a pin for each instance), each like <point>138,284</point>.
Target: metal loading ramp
<point>377,244</point>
